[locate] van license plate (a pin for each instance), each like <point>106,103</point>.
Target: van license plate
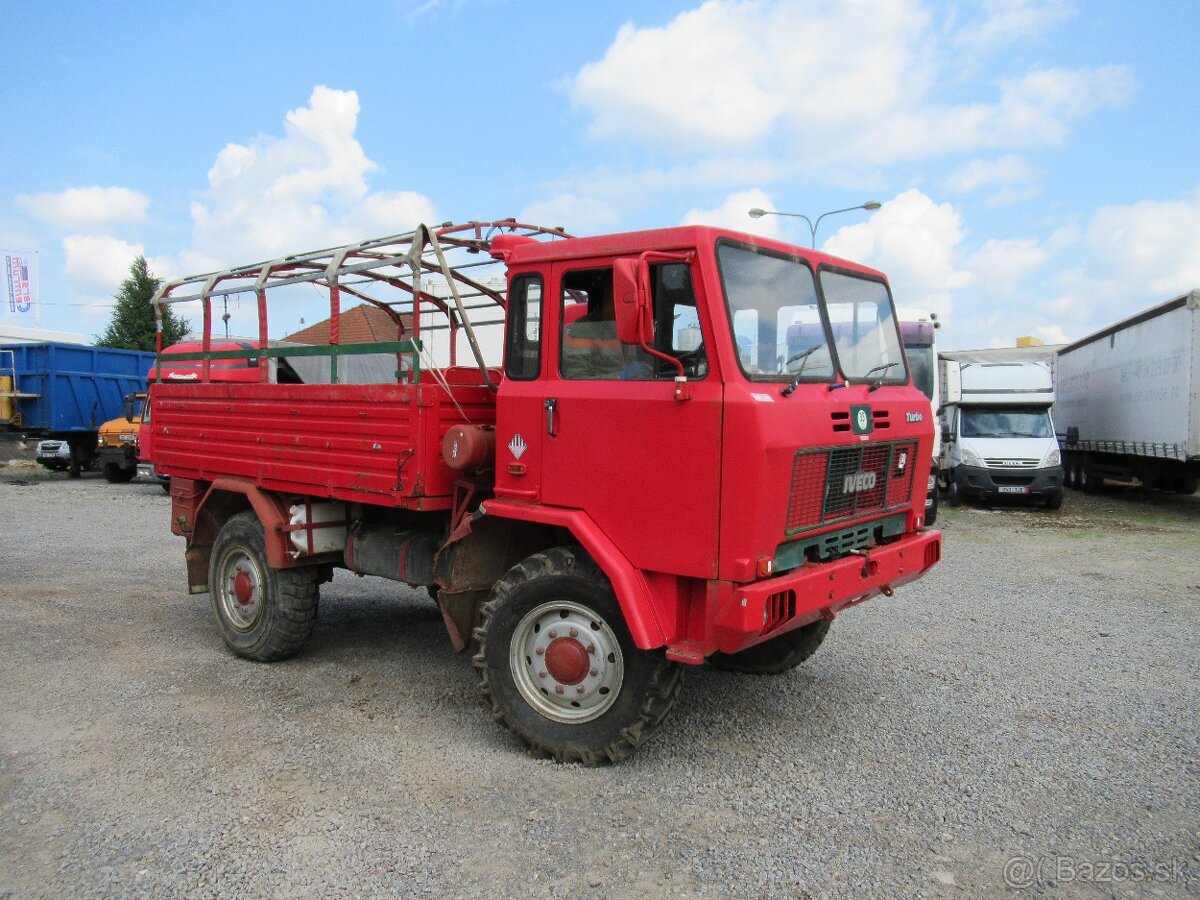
<point>1014,490</point>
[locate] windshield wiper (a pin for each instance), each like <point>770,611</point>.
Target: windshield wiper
<point>882,370</point>
<point>802,358</point>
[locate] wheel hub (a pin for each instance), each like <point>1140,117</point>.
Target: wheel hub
<point>240,591</point>
<point>243,588</point>
<point>567,661</point>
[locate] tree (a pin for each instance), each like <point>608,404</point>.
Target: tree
<point>132,324</point>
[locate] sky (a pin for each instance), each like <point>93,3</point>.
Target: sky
<point>1035,160</point>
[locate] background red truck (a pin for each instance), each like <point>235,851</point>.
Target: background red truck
<point>671,485</point>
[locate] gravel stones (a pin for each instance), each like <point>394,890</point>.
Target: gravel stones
<point>1034,696</point>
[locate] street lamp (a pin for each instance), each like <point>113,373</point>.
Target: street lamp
<point>757,213</point>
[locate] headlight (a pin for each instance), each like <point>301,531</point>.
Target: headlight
<point>100,441</point>
<point>970,459</point>
<point>1053,458</point>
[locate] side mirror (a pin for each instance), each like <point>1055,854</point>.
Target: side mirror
<point>632,302</point>
<point>946,435</point>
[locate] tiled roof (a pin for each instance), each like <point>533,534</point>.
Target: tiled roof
<point>362,324</point>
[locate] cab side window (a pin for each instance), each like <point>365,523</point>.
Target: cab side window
<point>523,353</point>
<point>590,349</point>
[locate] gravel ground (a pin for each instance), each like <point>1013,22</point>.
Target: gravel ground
<point>1033,699</point>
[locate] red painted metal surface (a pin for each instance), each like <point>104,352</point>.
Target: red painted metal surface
<point>691,501</point>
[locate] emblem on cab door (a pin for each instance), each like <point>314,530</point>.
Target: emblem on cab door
<point>517,446</point>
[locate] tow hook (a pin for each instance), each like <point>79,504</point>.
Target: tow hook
<point>869,566</point>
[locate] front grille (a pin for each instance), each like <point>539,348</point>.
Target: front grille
<point>1007,463</point>
<point>838,484</point>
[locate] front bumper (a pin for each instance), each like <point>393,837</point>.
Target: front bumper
<point>146,470</point>
<point>750,614</point>
<point>975,481</point>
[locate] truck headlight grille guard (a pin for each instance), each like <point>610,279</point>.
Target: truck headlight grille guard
<point>838,484</point>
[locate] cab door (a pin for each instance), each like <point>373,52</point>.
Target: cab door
<point>618,443</point>
<point>520,408</point>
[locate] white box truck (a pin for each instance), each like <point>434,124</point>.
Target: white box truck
<point>997,434</point>
<point>1129,400</point>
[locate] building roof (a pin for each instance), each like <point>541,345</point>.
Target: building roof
<point>362,324</point>
<point>19,334</point>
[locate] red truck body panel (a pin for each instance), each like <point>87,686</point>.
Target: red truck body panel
<point>362,443</point>
<point>724,511</point>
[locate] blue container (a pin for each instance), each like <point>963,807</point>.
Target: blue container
<point>77,387</point>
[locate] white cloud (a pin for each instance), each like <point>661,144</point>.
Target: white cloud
<point>98,262</point>
<point>986,173</point>
<point>1051,334</point>
<point>86,207</point>
<point>916,242</point>
<point>842,84</point>
<point>601,199</point>
<point>735,213</point>
<point>1002,264</point>
<point>1133,256</point>
<point>304,190</point>
<point>1006,21</point>
<point>727,73</point>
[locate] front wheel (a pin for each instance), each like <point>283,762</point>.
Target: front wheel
<point>776,656</point>
<point>264,614</point>
<point>558,667</point>
<point>953,495</point>
<point>114,474</point>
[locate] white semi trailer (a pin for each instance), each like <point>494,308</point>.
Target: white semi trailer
<point>1129,400</point>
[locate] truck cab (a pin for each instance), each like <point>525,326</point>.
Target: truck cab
<point>997,434</point>
<point>117,440</point>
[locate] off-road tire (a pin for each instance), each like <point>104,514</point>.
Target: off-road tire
<point>116,475</point>
<point>560,582</point>
<point>932,512</point>
<point>776,656</point>
<point>283,607</point>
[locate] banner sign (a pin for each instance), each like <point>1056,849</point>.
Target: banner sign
<point>19,272</point>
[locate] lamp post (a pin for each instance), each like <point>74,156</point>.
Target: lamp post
<point>757,213</point>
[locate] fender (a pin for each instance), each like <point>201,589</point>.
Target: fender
<point>198,513</point>
<point>638,603</point>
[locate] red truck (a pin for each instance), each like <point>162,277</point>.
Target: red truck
<point>654,483</point>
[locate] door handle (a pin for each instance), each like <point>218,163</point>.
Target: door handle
<point>551,407</point>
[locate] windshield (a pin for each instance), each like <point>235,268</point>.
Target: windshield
<point>1014,422</point>
<point>864,329</point>
<point>782,330</point>
<point>776,316</point>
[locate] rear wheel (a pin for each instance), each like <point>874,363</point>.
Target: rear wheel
<point>778,655</point>
<point>264,614</point>
<point>115,474</point>
<point>558,667</point>
<point>1186,486</point>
